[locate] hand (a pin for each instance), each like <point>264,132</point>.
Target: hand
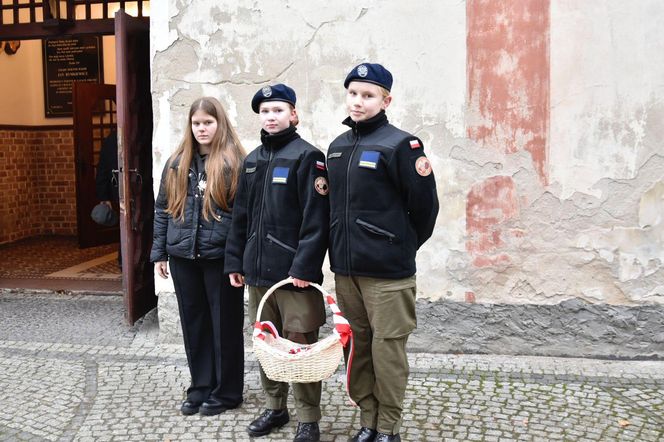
<point>162,268</point>
<point>237,280</point>
<point>301,283</point>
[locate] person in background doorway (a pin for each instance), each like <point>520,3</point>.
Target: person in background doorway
<point>191,224</point>
<point>106,186</point>
<point>280,229</point>
<point>383,207</point>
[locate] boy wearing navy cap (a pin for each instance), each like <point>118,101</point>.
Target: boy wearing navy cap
<point>383,207</point>
<point>280,229</point>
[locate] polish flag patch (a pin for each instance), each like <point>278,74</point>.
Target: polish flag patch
<point>320,165</point>
<point>414,144</point>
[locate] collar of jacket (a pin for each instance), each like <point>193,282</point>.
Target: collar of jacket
<point>367,126</point>
<point>280,139</point>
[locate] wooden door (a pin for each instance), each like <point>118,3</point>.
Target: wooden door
<point>94,120</point>
<point>134,102</point>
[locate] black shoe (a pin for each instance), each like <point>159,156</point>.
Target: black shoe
<point>307,432</point>
<point>213,406</point>
<point>381,437</point>
<point>189,407</point>
<point>364,435</point>
<point>268,421</point>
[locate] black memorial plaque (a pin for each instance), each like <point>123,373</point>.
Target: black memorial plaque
<point>65,61</point>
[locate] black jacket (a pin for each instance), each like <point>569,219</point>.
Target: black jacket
<point>106,185</point>
<point>193,237</point>
<point>381,209</point>
<point>280,219</point>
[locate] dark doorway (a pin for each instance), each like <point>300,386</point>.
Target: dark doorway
<point>94,121</point>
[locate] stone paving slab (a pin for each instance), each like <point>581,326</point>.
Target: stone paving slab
<point>123,385</point>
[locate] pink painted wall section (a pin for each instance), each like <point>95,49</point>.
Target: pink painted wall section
<point>489,204</point>
<point>508,76</point>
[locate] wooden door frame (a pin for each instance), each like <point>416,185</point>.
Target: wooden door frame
<point>42,22</point>
<point>134,117</point>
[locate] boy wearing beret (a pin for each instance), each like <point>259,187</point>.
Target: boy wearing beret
<point>280,229</point>
<point>383,207</point>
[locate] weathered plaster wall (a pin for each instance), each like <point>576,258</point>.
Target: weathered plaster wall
<point>229,49</point>
<point>543,120</point>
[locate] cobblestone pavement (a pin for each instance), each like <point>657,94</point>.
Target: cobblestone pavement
<point>71,370</point>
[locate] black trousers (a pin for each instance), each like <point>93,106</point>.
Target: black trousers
<point>212,317</point>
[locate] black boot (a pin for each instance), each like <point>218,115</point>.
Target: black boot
<point>364,435</point>
<point>307,432</point>
<point>381,437</point>
<point>268,421</point>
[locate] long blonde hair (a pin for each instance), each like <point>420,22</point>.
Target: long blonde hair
<point>226,155</point>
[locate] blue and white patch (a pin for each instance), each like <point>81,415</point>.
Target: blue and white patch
<point>280,175</point>
<point>369,159</point>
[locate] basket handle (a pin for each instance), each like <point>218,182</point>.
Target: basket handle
<point>282,283</point>
<point>341,325</point>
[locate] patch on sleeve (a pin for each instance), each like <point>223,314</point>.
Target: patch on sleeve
<point>423,166</point>
<point>415,144</point>
<point>320,184</point>
<point>369,159</point>
<point>280,175</point>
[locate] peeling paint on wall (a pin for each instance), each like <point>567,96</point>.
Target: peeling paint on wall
<point>490,204</point>
<point>607,82</point>
<point>508,77</point>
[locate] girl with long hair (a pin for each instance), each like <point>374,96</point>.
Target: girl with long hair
<point>191,223</point>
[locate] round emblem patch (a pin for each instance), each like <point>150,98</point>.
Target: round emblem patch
<point>423,166</point>
<point>267,91</point>
<point>321,185</point>
<point>362,70</point>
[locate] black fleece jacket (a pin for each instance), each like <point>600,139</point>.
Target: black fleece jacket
<point>381,208</point>
<point>281,212</point>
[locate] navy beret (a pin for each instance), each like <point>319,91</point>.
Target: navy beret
<point>277,92</point>
<point>370,73</point>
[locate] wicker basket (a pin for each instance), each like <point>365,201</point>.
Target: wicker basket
<point>286,361</point>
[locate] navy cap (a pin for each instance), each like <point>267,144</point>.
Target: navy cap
<point>370,73</point>
<point>277,92</point>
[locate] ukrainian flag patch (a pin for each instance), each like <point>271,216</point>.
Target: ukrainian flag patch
<point>369,159</point>
<point>280,175</point>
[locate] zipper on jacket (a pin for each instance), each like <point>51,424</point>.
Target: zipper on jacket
<point>196,214</point>
<point>259,229</point>
<point>347,202</point>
